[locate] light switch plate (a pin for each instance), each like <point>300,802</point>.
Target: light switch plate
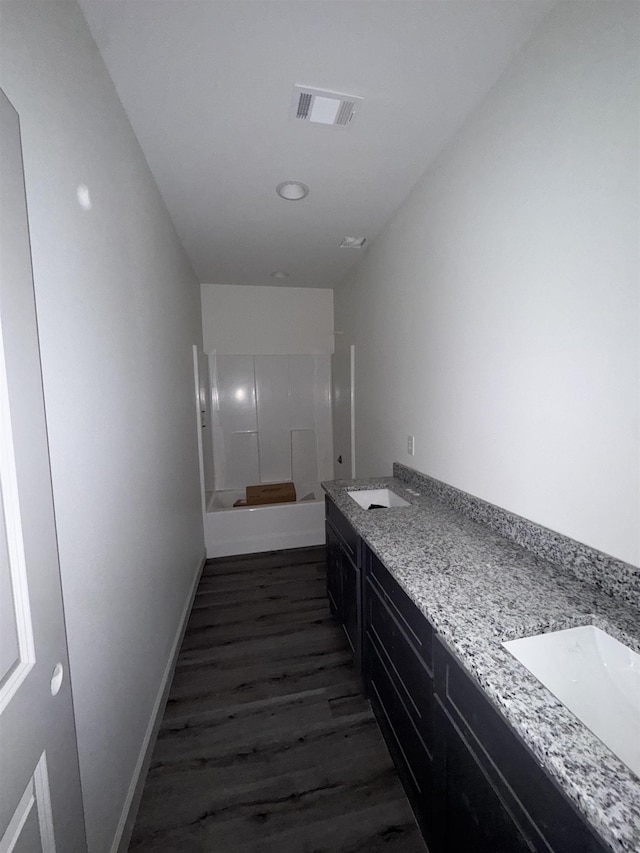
<point>411,445</point>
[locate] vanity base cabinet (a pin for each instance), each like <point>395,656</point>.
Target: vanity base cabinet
<point>490,787</point>
<point>474,785</point>
<point>344,583</point>
<point>399,682</point>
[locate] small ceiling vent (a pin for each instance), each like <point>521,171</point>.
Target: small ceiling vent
<point>321,107</point>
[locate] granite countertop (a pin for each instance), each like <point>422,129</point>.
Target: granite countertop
<point>478,589</point>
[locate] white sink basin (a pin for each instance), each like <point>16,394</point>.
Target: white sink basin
<point>384,497</point>
<point>596,677</point>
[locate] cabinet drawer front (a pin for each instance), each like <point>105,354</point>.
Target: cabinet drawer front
<point>416,627</point>
<point>411,677</point>
<point>413,751</point>
<point>509,762</point>
<point>340,524</point>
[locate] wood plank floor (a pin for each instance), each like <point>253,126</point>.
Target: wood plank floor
<point>267,743</point>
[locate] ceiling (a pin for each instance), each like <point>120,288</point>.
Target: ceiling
<point>207,86</point>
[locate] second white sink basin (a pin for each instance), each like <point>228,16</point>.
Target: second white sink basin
<point>382,497</point>
<point>596,677</point>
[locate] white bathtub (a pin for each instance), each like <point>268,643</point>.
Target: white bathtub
<point>246,530</point>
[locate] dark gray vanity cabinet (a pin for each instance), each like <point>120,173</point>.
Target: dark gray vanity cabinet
<point>491,793</point>
<point>344,578</point>
<point>474,785</point>
<point>398,674</point>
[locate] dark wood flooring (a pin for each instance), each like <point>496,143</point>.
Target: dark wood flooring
<point>267,743</point>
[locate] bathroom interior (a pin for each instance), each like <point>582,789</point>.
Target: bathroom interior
<point>439,295</point>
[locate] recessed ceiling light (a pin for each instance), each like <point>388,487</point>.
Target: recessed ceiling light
<point>353,242</point>
<point>280,275</point>
<point>292,190</point>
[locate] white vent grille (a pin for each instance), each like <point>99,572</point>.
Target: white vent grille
<point>322,107</point>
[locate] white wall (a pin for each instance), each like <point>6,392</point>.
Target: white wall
<point>118,310</point>
<point>240,320</point>
<point>496,317</point>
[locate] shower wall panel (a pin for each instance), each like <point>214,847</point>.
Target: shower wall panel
<point>235,422</point>
<point>304,456</point>
<point>302,401</point>
<point>272,395</point>
<point>271,420</point>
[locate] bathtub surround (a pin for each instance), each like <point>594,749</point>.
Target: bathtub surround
<point>271,420</point>
<point>118,313</point>
<point>270,370</point>
<point>496,318</point>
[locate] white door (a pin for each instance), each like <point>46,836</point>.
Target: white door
<point>40,799</point>
<point>343,389</point>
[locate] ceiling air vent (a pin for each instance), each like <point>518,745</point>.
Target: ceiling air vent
<point>322,107</point>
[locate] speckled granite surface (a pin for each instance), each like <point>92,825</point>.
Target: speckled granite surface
<point>614,577</point>
<point>478,588</point>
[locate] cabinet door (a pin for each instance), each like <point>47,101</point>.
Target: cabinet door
<point>351,605</point>
<point>472,814</point>
<point>334,572</point>
<point>549,820</point>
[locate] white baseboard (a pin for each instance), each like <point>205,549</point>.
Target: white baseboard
<point>134,794</point>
